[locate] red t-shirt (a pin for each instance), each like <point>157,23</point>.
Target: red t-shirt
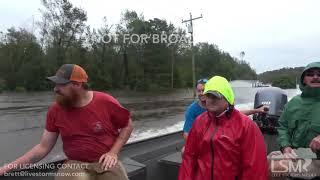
<point>89,131</point>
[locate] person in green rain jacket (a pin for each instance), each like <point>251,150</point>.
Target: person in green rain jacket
<point>299,124</point>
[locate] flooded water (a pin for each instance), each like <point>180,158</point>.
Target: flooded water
<point>22,116</point>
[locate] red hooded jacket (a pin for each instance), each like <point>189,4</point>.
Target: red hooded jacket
<point>224,148</point>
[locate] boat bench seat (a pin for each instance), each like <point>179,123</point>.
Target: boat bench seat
<point>135,170</point>
<point>171,164</point>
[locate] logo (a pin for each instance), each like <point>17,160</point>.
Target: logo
<point>290,165</point>
<point>266,103</point>
<point>299,168</point>
<point>97,127</point>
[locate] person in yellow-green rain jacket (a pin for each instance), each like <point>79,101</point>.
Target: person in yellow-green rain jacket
<point>223,142</point>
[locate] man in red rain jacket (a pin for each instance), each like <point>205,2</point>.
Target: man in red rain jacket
<point>223,143</point>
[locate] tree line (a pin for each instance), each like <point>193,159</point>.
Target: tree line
<point>284,78</point>
<point>112,62</point>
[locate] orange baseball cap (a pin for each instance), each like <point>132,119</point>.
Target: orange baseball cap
<point>69,72</point>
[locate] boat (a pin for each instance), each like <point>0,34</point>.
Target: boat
<point>159,158</point>
<point>256,84</point>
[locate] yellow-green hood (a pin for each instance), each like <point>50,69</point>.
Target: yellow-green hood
<point>221,85</point>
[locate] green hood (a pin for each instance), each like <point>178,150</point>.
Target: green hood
<point>309,66</point>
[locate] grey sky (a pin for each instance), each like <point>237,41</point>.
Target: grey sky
<point>272,33</point>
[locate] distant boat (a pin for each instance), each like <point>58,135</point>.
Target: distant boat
<point>260,84</point>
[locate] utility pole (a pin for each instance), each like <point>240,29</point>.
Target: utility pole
<point>172,66</point>
<point>242,54</point>
<point>190,30</point>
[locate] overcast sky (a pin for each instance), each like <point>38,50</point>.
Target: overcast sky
<point>272,33</point>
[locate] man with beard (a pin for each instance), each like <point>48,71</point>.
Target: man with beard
<point>93,128</point>
<point>299,124</point>
<point>223,142</point>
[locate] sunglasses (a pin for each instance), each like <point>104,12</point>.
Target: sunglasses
<point>311,74</point>
<point>202,81</point>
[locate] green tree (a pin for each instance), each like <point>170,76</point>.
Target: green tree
<point>292,73</point>
<point>145,65</point>
<point>284,82</point>
<point>62,27</point>
<point>21,61</point>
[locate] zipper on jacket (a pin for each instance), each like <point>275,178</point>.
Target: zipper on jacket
<point>212,151</point>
